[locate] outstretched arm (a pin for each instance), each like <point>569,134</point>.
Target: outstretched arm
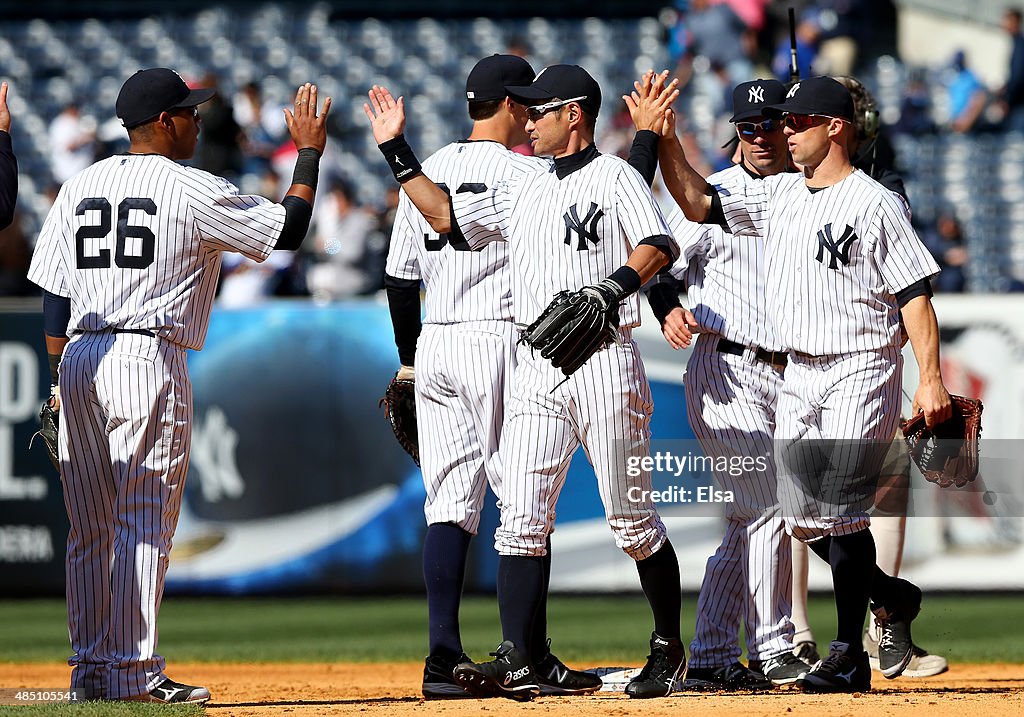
<point>387,120</point>
<point>690,190</point>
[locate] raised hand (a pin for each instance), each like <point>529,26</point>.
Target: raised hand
<point>651,98</point>
<point>387,115</point>
<point>307,128</point>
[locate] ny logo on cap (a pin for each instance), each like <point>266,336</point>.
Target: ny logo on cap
<point>792,90</point>
<point>755,94</point>
<point>585,228</point>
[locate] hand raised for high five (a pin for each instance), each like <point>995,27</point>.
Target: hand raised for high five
<point>308,130</point>
<point>387,115</point>
<point>650,101</point>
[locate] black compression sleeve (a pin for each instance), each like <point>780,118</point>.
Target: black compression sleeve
<point>404,305</point>
<point>643,154</point>
<point>56,314</point>
<point>918,288</point>
<point>297,213</point>
<point>8,180</point>
<point>716,215</point>
<point>663,295</point>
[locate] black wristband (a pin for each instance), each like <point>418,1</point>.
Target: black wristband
<point>400,158</point>
<point>307,167</point>
<point>626,277</point>
<point>54,360</point>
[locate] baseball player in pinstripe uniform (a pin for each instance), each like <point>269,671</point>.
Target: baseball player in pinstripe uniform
<point>842,261</point>
<point>460,404</point>
<point>591,219</point>
<point>128,259</point>
<point>871,151</point>
<point>732,383</point>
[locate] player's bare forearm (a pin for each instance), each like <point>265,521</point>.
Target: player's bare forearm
<point>431,201</point>
<point>931,397</point>
<point>690,190</point>
<point>646,260</point>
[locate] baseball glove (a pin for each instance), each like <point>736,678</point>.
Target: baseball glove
<point>48,422</point>
<point>576,325</point>
<point>947,454</point>
<point>399,404</point>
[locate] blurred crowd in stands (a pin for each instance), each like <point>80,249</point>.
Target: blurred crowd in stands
<point>710,44</point>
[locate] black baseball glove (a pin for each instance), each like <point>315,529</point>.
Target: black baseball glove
<point>947,454</point>
<point>48,422</point>
<point>399,404</point>
<point>576,325</point>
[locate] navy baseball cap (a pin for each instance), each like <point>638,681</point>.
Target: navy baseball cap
<point>488,77</point>
<point>750,98</point>
<point>816,96</point>
<point>147,93</point>
<point>564,82</point>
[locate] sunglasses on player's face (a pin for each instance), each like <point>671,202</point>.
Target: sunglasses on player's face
<point>799,123</point>
<point>749,129</point>
<point>535,112</point>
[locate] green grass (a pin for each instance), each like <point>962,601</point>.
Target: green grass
<point>588,630</point>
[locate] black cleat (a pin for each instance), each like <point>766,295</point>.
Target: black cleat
<point>170,692</point>
<point>508,675</point>
<point>782,669</point>
<point>665,665</point>
<point>846,669</point>
<point>555,678</point>
<point>438,680</point>
<point>730,678</point>
<point>807,650</point>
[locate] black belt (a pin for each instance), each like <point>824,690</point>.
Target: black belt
<point>772,358</point>
<point>141,332</point>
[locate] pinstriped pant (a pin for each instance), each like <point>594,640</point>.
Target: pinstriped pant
<point>836,419</point>
<point>125,434</point>
<point>605,406</point>
<point>463,377</point>
<point>730,404</point>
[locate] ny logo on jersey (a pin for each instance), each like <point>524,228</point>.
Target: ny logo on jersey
<point>755,94</point>
<point>586,228</point>
<point>838,248</point>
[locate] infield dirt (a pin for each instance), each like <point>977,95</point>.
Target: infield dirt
<point>262,690</point>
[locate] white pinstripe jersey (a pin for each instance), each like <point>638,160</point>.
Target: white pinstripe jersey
<point>723,274</point>
<point>136,242</point>
<point>564,233</point>
<point>461,285</point>
<point>835,259</point>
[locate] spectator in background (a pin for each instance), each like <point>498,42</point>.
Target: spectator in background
<point>8,164</point>
<point>1012,94</point>
<point>15,257</point>
<point>72,139</point>
<point>945,240</point>
<point>967,96</point>
<point>219,151</point>
<point>716,32</point>
<point>258,141</point>
<point>808,34</point>
<point>340,247</point>
<point>915,107</point>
